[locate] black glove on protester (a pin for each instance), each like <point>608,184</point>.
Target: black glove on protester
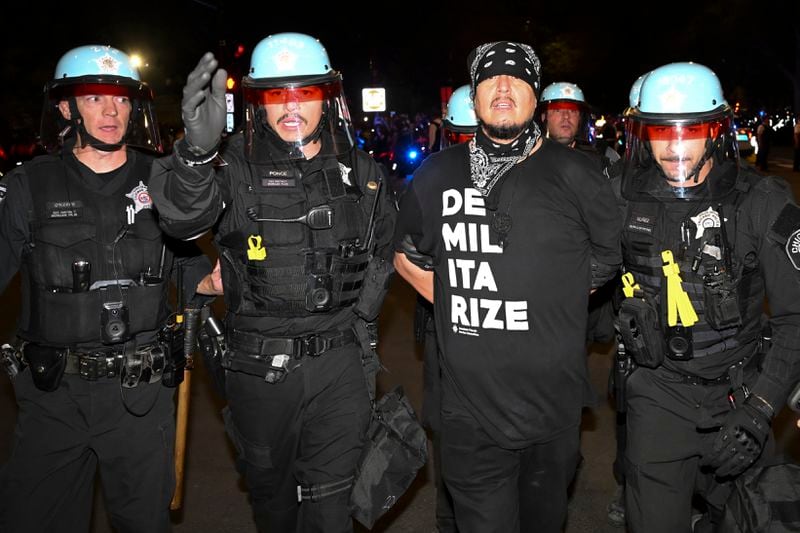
<point>739,442</point>
<point>416,257</point>
<point>203,106</point>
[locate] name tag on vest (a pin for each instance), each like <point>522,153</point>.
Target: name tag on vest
<point>638,223</point>
<point>72,209</point>
<point>279,179</point>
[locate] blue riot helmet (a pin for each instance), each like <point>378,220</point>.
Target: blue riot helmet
<point>459,122</point>
<point>83,74</point>
<point>681,139</point>
<point>633,95</point>
<point>565,113</point>
<point>294,102</point>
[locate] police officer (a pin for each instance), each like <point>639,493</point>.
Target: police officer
<point>566,115</point>
<point>304,229</point>
<point>705,242</point>
<point>459,122</point>
<point>458,127</point>
<point>93,336</point>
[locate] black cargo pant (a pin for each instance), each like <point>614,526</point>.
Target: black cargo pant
<point>304,433</point>
<point>499,490</point>
<point>63,437</point>
<point>663,470</point>
<point>431,409</point>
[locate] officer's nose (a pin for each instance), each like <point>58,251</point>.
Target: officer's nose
<point>110,106</point>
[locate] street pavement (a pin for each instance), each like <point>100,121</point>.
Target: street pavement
<point>215,499</point>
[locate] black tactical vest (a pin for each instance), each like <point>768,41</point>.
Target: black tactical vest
<point>276,264</point>
<point>114,229</point>
<point>648,231</point>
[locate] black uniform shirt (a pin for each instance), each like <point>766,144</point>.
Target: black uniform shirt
<point>511,322</point>
<point>17,206</point>
<point>191,200</point>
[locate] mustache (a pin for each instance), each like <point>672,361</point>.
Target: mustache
<point>294,116</point>
<point>503,98</point>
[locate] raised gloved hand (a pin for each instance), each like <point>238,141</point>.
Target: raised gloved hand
<point>203,105</point>
<point>739,442</point>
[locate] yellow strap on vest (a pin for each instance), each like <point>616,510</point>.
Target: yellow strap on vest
<point>255,251</point>
<point>678,302</point>
<point>629,285</point>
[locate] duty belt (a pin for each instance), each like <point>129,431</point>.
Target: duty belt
<point>295,347</point>
<point>270,357</point>
<point>691,379</point>
<point>94,365</point>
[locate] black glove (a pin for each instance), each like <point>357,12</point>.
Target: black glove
<point>739,442</point>
<point>203,106</point>
<point>416,257</point>
<point>794,399</point>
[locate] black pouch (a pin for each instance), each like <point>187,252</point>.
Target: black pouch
<point>171,340</point>
<point>46,366</point>
<point>639,327</point>
<point>764,499</point>
<point>367,334</point>
<point>721,306</point>
<point>395,450</point>
<point>211,339</point>
<point>376,285</point>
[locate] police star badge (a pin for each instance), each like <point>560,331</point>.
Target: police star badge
<point>141,200</point>
<point>705,219</point>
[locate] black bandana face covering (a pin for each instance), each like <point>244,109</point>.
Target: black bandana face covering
<point>488,160</point>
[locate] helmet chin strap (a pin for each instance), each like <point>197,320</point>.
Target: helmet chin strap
<point>86,139</point>
<point>695,173</point>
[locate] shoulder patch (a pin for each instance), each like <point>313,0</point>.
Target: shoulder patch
<point>786,229</point>
<point>3,190</point>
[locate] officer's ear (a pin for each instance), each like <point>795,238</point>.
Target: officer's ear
<point>63,106</point>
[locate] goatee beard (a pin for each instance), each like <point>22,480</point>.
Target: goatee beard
<point>505,132</point>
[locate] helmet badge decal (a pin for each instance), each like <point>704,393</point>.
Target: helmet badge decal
<point>141,200</point>
<point>705,219</point>
<point>285,60</point>
<point>108,64</point>
<point>672,100</point>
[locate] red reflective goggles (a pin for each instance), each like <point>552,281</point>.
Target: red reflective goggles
<point>281,95</point>
<point>555,106</point>
<point>454,137</point>
<point>100,89</point>
<point>660,132</point>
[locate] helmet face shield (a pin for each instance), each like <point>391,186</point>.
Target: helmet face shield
<point>678,158</point>
<point>282,117</point>
<point>452,135</point>
<point>564,104</point>
<point>140,130</point>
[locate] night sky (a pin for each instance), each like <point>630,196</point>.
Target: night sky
<point>416,49</point>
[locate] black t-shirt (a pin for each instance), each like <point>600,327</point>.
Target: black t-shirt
<point>511,321</point>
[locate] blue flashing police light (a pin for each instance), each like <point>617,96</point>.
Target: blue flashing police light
<point>412,154</point>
